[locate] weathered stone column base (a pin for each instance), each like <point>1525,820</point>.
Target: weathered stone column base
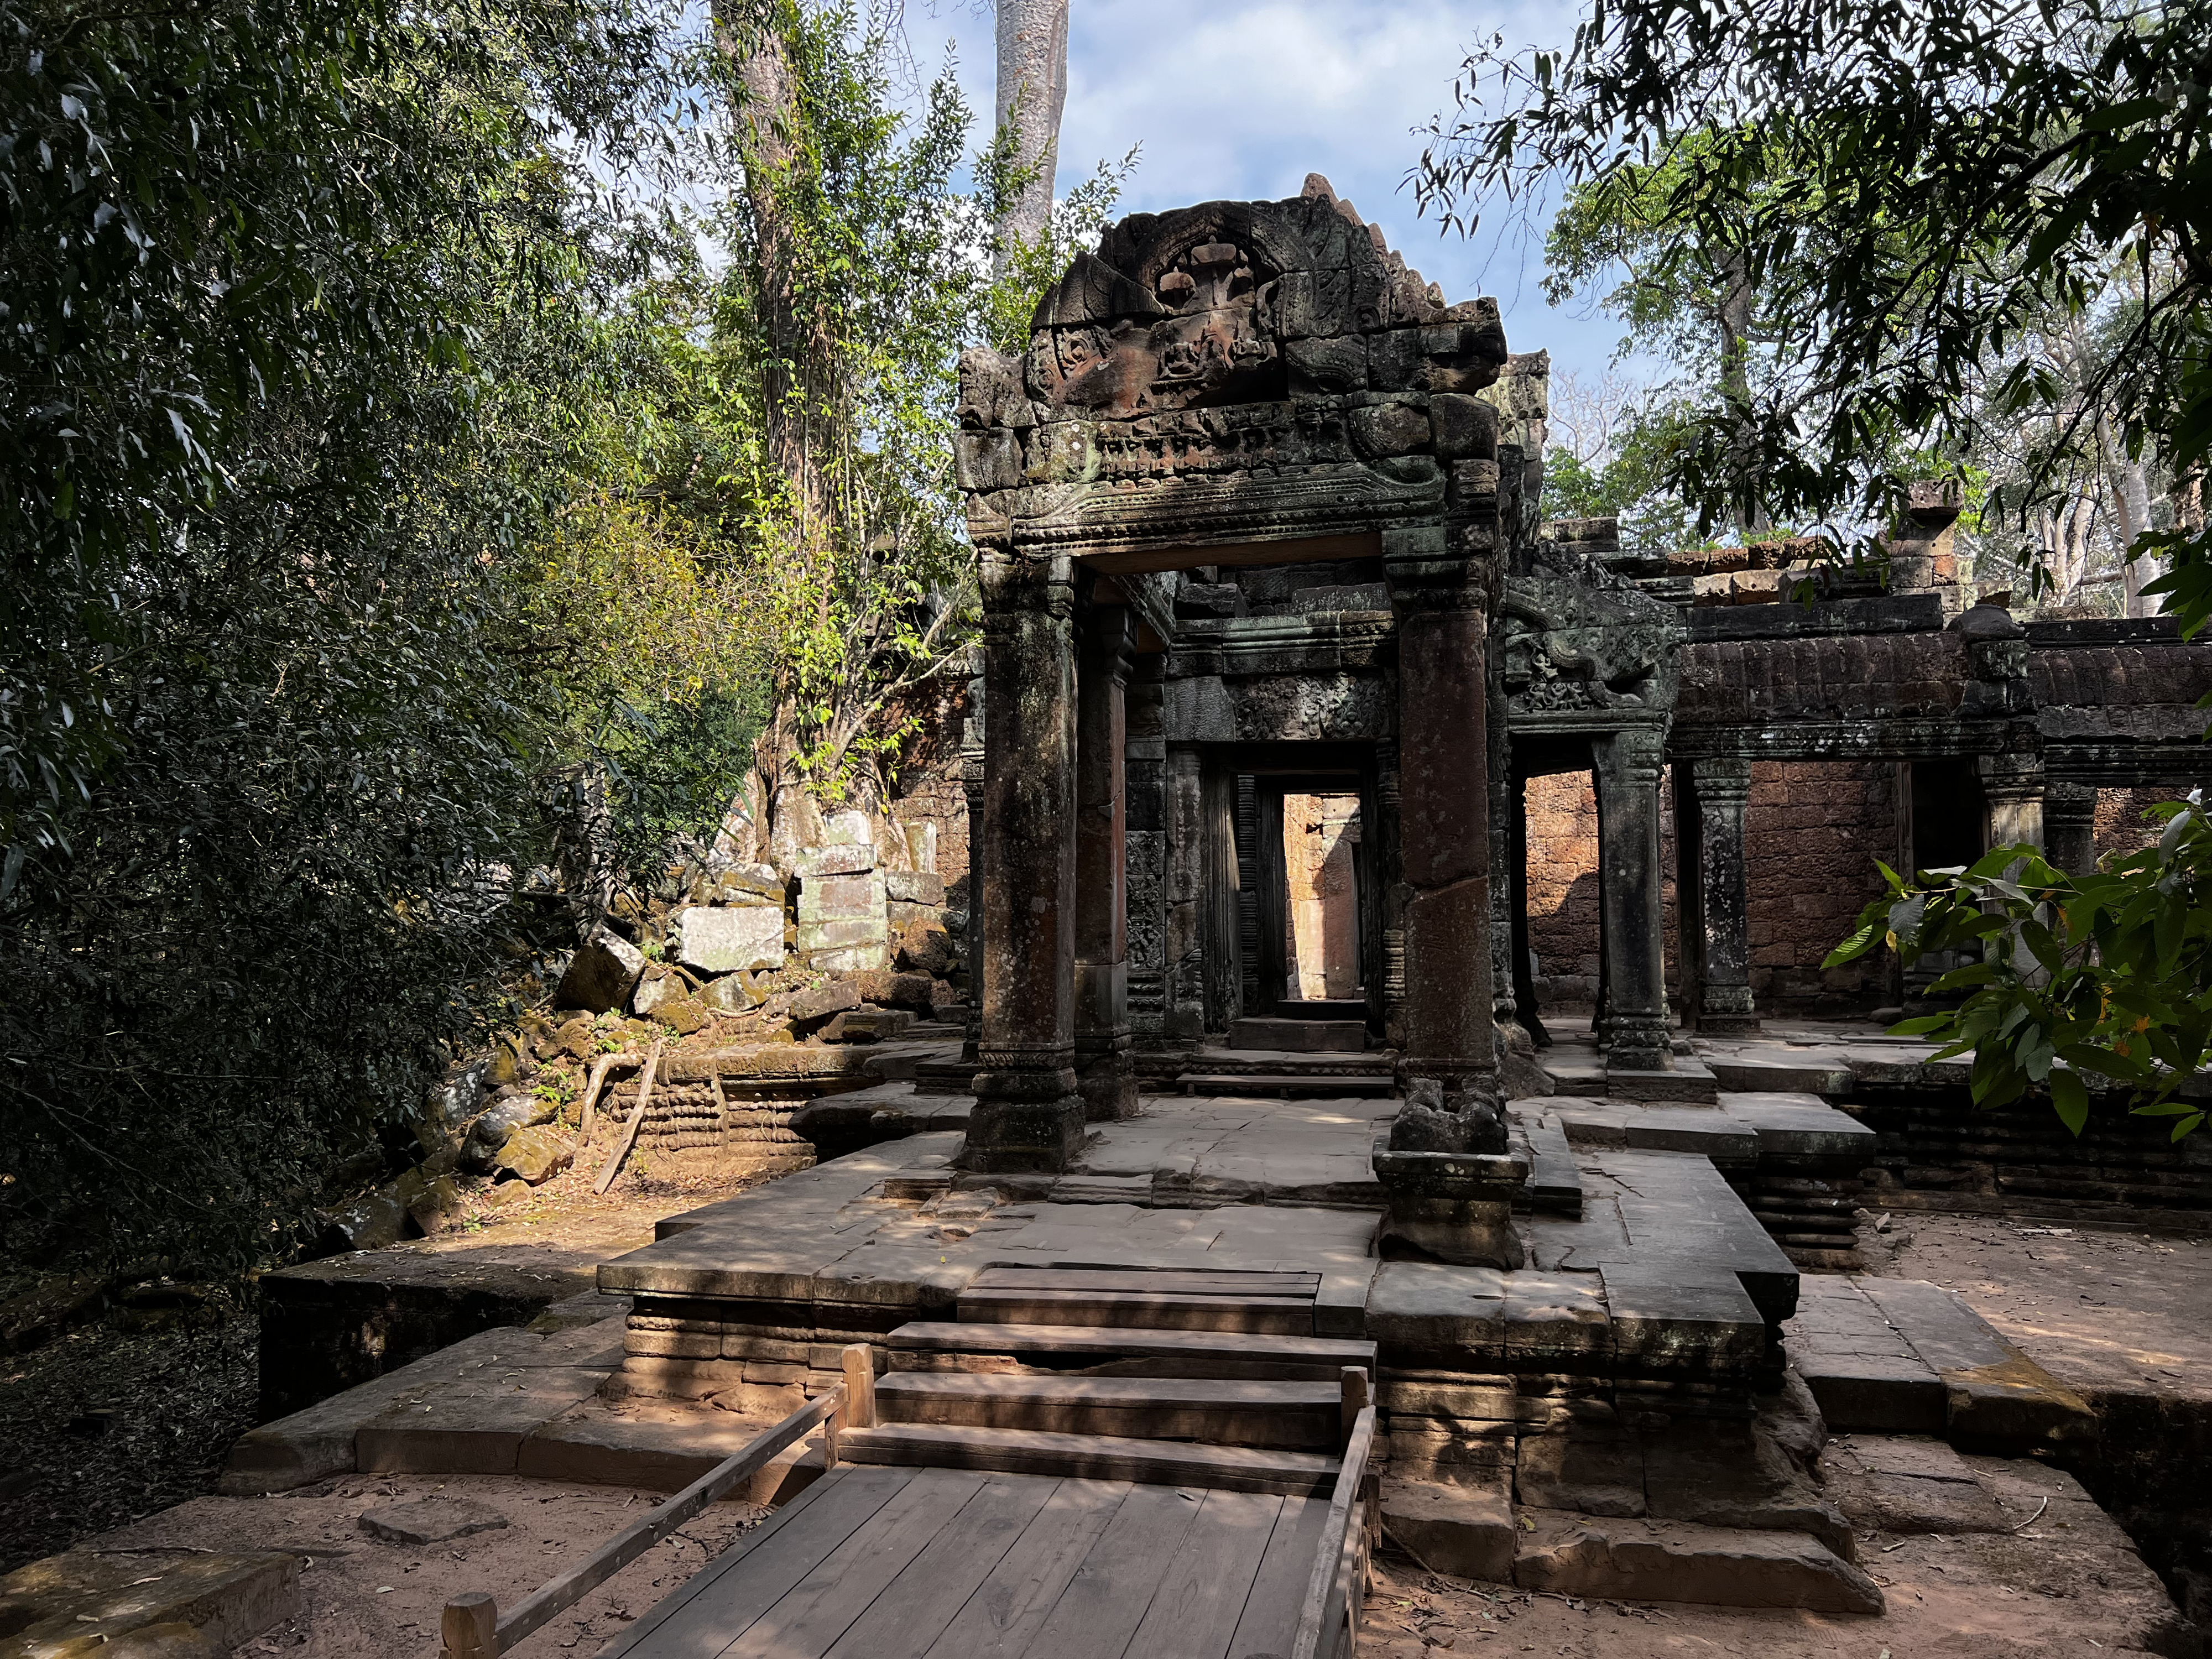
<point>1027,1117</point>
<point>1461,1231</point>
<point>1456,1207</point>
<point>1465,1078</point>
<point>1726,1009</point>
<point>1105,1069</point>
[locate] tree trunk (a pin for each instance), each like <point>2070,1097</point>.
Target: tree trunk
<point>2130,486</point>
<point>1750,517</point>
<point>1032,90</point>
<point>752,34</point>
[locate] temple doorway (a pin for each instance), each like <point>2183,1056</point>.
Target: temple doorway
<point>1321,867</point>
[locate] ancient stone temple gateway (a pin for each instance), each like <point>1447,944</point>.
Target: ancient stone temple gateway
<point>1259,558</point>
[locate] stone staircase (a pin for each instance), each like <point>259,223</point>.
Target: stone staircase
<point>1176,1376</point>
<point>1308,1050</point>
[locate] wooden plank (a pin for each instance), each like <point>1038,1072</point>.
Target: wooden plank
<point>1098,1457</point>
<point>1195,1611</point>
<point>954,1337</point>
<point>1277,1315</point>
<point>1270,1618</point>
<point>1183,1281</point>
<point>723,1598</point>
<point>1316,1636</point>
<point>565,1590</point>
<point>913,1611</point>
<point>998,1621</point>
<point>807,1620</point>
<point>1300,1416</point>
<point>1099,1610</point>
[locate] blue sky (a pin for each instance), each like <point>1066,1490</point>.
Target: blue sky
<point>1240,99</point>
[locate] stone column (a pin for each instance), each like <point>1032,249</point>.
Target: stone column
<point>1103,1074</point>
<point>2012,796</point>
<point>1028,1115</point>
<point>971,785</point>
<point>1629,765</point>
<point>1185,897</point>
<point>1721,992</point>
<point>2070,827</point>
<point>1443,813</point>
<point>1146,780</point>
<point>1390,898</point>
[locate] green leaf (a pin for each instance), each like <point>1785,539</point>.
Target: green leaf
<point>2071,1099</point>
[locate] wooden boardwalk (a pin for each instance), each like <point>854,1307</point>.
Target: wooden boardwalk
<point>908,1563</point>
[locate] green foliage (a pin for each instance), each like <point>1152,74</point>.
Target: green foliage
<point>304,318</point>
<point>2083,983</point>
<point>1913,191</point>
<point>856,272</point>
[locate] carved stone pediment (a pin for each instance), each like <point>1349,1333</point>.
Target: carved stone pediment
<point>1199,329</point>
<point>1584,647</point>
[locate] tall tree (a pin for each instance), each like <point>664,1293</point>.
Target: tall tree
<point>1032,91</point>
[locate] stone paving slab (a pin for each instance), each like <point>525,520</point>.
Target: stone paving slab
<point>1903,1356</point>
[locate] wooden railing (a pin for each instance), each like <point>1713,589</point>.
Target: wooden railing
<point>473,1627</point>
<point>1329,1620</point>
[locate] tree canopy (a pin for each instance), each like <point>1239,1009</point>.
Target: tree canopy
<point>1909,192</point>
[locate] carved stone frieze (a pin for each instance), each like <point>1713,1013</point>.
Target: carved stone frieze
<point>1585,648</point>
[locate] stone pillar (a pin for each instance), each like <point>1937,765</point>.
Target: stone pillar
<point>1145,780</point>
<point>1028,1115</point>
<point>2012,797</point>
<point>1720,792</point>
<point>2070,827</point>
<point>1185,898</point>
<point>1103,1074</point>
<point>1443,813</point>
<point>1629,765</point>
<point>1390,897</point>
<point>971,785</point>
<point>1220,912</point>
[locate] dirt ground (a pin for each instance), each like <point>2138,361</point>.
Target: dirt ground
<point>362,1598</point>
<point>2067,1583</point>
<point>99,1427</point>
<point>2097,1309</point>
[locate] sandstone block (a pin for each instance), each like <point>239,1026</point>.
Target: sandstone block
<point>430,1520</point>
<point>601,973</point>
<point>1463,1530</point>
<point>1681,1561</point>
<point>537,1155</point>
<point>913,887</point>
<point>724,939</point>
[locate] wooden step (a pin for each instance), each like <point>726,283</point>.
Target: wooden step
<point>1376,1086</point>
<point>1092,1458</point>
<point>1287,1416</point>
<point>1099,1350</point>
<point>1175,1310</point>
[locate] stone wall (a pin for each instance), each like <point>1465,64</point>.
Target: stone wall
<point>1814,829</point>
<point>2121,827</point>
<point>1814,832</point>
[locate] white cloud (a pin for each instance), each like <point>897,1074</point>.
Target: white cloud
<point>1240,99</point>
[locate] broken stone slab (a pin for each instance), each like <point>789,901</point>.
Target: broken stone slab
<point>913,887</point>
<point>1899,1484</point>
<point>601,974</point>
<point>430,1520</point>
<point>1681,1315</point>
<point>87,1602</point>
<point>537,1155</point>
<point>853,859</point>
<point>823,1001</point>
<point>1464,1530</point>
<point>729,939</point>
<point>1682,1561</point>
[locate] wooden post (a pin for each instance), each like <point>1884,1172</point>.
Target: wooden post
<point>636,1117</point>
<point>470,1628</point>
<point>1354,1378</point>
<point>860,1386</point>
